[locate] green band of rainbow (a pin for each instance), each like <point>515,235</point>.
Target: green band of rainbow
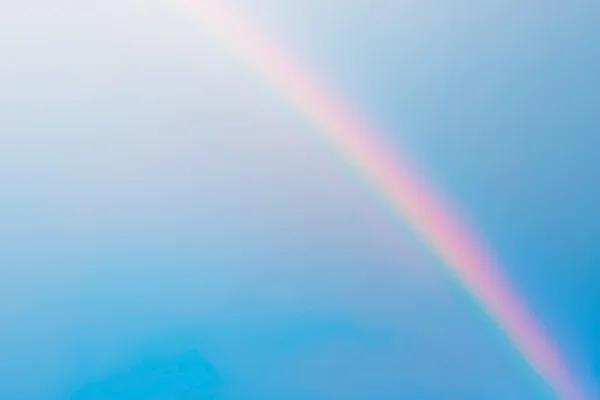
<point>401,186</point>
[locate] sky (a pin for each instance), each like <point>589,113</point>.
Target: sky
<point>165,209</point>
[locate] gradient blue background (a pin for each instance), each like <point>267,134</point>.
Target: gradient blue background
<point>172,228</point>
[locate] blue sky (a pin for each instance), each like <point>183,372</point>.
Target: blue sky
<point>159,199</point>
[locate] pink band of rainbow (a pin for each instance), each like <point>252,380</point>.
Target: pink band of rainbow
<point>401,186</point>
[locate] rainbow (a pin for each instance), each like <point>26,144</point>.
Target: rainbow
<point>389,172</point>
